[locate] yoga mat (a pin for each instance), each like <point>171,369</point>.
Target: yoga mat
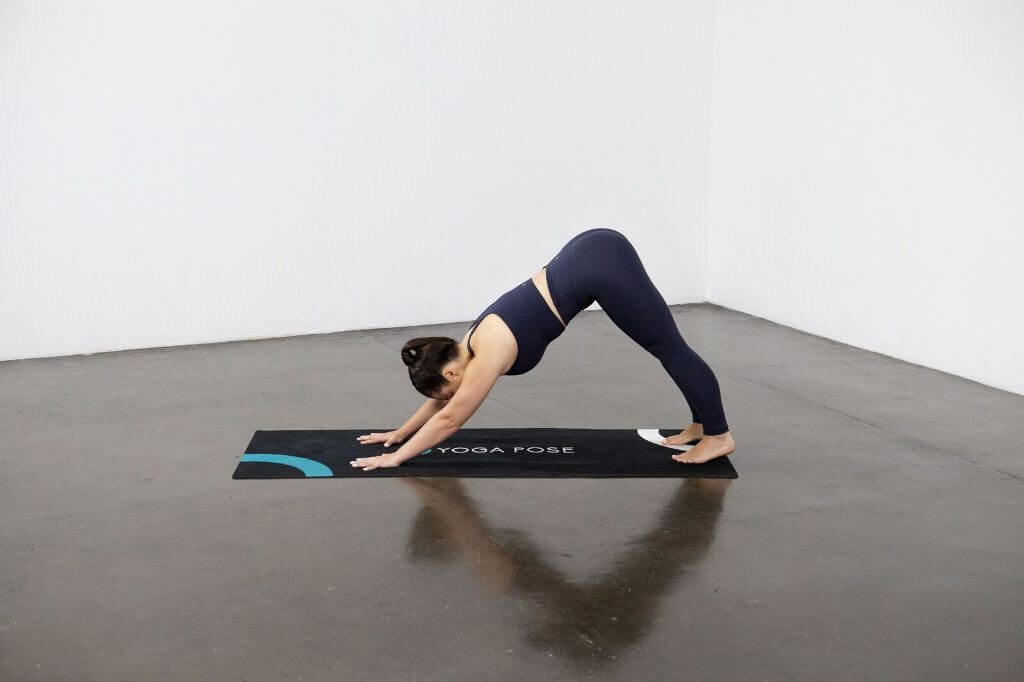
<point>490,453</point>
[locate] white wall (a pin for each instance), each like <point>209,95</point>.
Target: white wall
<point>867,176</point>
<point>188,172</point>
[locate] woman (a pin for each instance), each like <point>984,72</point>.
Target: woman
<point>510,336</point>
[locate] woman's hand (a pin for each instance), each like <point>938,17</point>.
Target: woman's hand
<point>378,462</point>
<point>389,438</point>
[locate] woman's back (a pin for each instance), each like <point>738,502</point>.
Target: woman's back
<point>531,320</point>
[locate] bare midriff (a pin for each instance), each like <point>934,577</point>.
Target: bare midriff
<point>540,279</point>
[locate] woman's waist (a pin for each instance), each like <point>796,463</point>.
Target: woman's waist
<point>526,312</point>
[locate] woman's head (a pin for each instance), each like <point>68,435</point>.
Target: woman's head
<point>433,363</point>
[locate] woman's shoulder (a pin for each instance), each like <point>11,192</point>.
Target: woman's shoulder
<point>489,326</point>
<point>491,335</point>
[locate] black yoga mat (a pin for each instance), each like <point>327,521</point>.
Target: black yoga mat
<point>490,453</point>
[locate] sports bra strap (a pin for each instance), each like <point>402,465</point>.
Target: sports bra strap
<point>468,338</point>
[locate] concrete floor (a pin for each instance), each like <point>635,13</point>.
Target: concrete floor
<point>876,529</point>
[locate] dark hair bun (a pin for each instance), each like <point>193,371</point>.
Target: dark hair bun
<point>426,356</point>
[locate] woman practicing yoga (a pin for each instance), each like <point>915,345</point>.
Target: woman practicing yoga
<point>511,335</point>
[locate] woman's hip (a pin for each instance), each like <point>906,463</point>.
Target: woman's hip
<point>587,262</point>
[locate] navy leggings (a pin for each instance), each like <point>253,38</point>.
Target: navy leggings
<point>602,265</point>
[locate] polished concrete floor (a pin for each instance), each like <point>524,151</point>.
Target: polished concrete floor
<point>876,530</point>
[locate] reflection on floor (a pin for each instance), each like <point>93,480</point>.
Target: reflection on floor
<point>875,531</point>
<point>590,621</point>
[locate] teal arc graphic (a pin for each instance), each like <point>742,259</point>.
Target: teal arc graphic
<point>310,467</point>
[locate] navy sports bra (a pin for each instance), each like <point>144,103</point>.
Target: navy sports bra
<point>527,314</point>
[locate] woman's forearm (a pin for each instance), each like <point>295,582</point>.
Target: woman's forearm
<point>436,430</point>
<point>426,411</point>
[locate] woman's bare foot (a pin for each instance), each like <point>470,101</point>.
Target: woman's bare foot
<point>691,433</point>
<point>708,448</point>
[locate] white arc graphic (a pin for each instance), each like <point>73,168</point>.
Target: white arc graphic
<point>654,436</point>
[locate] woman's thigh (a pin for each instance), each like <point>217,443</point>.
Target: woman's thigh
<point>607,269</point>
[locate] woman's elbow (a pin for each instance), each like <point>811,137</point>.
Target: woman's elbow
<point>449,420</point>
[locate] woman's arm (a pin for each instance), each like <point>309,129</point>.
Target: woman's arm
<point>435,431</point>
<point>476,384</point>
<point>426,411</point>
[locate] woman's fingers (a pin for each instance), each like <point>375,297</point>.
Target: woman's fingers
<point>369,438</point>
<point>385,438</point>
